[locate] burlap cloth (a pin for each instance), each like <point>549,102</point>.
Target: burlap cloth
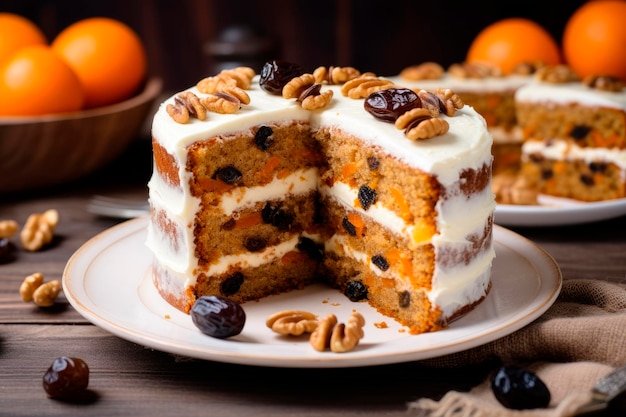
<point>581,338</point>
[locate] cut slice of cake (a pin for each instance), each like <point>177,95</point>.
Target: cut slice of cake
<point>574,135</point>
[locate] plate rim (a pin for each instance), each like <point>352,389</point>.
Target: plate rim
<point>550,282</point>
<point>569,214</point>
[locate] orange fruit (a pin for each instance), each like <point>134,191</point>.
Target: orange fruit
<point>36,81</point>
<point>512,41</point>
<point>594,39</point>
<point>108,57</point>
<point>17,32</point>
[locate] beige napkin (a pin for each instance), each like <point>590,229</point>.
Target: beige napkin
<point>581,338</point>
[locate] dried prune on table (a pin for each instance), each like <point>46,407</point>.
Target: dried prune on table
<point>519,389</point>
<point>6,250</point>
<point>66,378</point>
<point>218,316</point>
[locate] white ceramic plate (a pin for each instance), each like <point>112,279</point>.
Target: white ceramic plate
<point>553,211</point>
<point>107,281</point>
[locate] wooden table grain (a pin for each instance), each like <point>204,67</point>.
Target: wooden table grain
<point>131,380</point>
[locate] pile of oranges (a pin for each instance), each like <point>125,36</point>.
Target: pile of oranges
<point>593,41</point>
<point>92,63</point>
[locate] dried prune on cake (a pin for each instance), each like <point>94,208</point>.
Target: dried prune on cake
<point>387,105</point>
<point>229,174</point>
<point>367,196</point>
<point>263,138</point>
<point>311,248</point>
<point>218,316</point>
<point>404,299</point>
<point>519,389</point>
<point>348,227</point>
<point>232,284</point>
<point>276,74</point>
<point>66,378</point>
<point>381,262</point>
<point>356,291</point>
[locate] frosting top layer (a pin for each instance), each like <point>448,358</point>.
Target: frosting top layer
<point>464,146</point>
<point>573,92</point>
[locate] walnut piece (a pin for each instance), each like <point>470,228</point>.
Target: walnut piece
<point>346,337</point>
<point>338,337</point>
<point>45,294</point>
<point>8,228</point>
<point>320,338</point>
<point>604,83</point>
<point>363,86</point>
<point>308,92</point>
<point>292,322</point>
<point>240,77</point>
<point>419,123</point>
<point>527,68</point>
<point>423,71</point>
<point>335,75</point>
<point>220,102</point>
<point>510,188</point>
<point>297,85</point>
<point>476,70</point>
<point>30,284</point>
<point>450,100</point>
<point>38,230</point>
<point>556,74</point>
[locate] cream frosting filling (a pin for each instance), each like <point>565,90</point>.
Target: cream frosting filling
<point>561,150</point>
<point>298,182</point>
<point>470,85</point>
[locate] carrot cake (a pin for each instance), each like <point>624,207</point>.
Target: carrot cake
<point>264,183</point>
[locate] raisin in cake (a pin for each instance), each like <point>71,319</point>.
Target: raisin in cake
<point>264,184</point>
<point>574,135</point>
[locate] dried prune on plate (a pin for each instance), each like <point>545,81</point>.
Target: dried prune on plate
<point>218,316</point>
<point>520,389</point>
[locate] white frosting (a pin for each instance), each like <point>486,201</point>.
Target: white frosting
<point>470,85</point>
<point>576,92</point>
<point>467,145</point>
<point>560,150</point>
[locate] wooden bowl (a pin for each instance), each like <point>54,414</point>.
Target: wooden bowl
<point>48,150</point>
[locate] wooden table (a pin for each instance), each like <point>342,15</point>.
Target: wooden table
<point>130,380</point>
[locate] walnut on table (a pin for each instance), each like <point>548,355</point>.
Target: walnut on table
<point>38,230</point>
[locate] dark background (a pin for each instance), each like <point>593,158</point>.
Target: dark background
<point>378,36</point>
